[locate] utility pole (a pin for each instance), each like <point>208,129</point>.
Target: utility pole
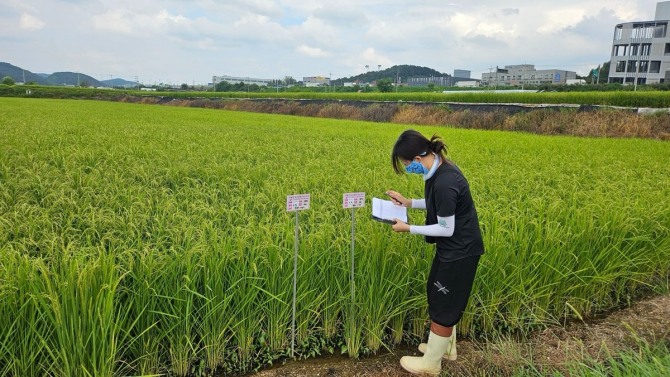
<point>490,76</point>
<point>397,80</point>
<point>638,38</point>
<point>637,65</point>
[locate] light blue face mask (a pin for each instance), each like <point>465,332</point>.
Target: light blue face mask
<point>416,167</point>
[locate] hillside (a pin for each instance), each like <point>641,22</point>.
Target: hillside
<point>80,79</point>
<point>73,79</point>
<point>119,83</point>
<point>18,73</point>
<point>403,71</point>
<point>59,78</point>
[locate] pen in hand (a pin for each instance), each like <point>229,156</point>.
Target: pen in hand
<point>394,199</point>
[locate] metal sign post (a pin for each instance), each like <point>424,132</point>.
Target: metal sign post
<point>296,203</point>
<point>353,200</point>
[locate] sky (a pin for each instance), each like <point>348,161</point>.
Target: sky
<point>189,41</point>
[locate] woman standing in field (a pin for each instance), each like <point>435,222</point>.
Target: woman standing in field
<point>452,225</point>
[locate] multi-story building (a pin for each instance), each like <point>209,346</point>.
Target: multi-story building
<point>244,80</point>
<point>462,73</point>
<point>316,81</point>
<point>641,50</point>
<point>445,80</point>
<point>526,74</point>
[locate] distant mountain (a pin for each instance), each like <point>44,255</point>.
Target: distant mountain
<point>18,74</point>
<point>73,79</point>
<point>119,83</point>
<point>402,71</point>
<point>80,79</point>
<point>59,78</point>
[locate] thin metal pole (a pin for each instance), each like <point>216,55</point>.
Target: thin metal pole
<point>353,229</point>
<point>295,282</point>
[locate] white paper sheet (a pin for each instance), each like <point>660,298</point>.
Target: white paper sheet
<point>385,210</point>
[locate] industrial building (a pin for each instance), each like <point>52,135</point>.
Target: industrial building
<point>460,75</point>
<point>316,81</point>
<point>435,80</point>
<point>526,74</point>
<point>244,80</point>
<point>640,50</point>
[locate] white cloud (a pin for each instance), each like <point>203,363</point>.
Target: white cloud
<point>313,52</point>
<point>560,18</point>
<point>126,22</point>
<point>115,21</point>
<point>373,56</point>
<point>30,22</point>
<point>164,17</point>
<point>274,38</point>
<point>510,11</point>
<point>337,15</point>
<point>317,32</point>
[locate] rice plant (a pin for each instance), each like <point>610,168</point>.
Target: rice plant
<point>155,240</point>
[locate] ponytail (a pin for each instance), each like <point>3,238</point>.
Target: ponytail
<point>438,147</point>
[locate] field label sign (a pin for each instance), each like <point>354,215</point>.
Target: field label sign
<point>297,202</point>
<point>353,200</point>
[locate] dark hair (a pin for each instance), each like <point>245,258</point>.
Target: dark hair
<point>410,144</point>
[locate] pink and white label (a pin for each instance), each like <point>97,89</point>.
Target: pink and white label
<point>353,200</point>
<point>297,202</point>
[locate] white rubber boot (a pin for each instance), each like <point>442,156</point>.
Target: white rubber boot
<point>451,354</point>
<point>431,361</point>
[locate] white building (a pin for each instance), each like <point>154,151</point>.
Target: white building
<point>526,74</point>
<point>467,84</point>
<point>316,81</point>
<point>640,50</point>
<point>244,80</point>
<point>462,73</point>
<point>445,80</point>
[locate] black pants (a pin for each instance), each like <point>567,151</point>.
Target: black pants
<point>448,289</point>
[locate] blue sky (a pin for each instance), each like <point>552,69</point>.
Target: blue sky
<point>180,41</point>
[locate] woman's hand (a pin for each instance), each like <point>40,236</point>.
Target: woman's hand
<point>400,226</point>
<point>398,199</point>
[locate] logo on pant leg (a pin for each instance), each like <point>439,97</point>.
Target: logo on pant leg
<point>441,288</point>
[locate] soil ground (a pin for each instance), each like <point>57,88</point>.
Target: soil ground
<point>548,350</point>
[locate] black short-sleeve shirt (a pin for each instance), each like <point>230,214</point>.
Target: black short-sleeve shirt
<point>447,193</point>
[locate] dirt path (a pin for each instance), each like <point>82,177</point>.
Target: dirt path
<point>549,349</point>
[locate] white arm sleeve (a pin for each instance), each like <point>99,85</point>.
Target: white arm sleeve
<point>444,227</point>
<point>419,203</point>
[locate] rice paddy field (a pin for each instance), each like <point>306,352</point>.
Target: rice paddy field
<point>145,240</point>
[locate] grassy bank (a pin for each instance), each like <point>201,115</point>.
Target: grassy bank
<point>653,99</point>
